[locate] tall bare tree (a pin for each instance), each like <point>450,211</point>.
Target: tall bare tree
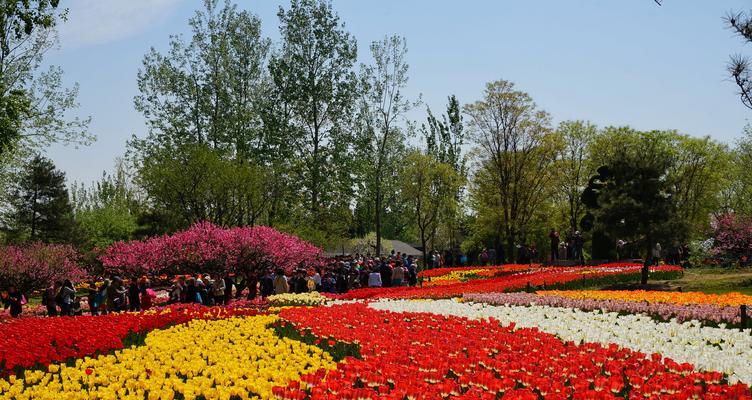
<point>383,104</point>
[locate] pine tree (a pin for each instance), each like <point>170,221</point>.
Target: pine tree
<point>40,210</point>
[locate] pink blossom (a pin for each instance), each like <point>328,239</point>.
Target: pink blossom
<point>208,248</point>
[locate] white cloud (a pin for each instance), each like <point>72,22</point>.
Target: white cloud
<point>92,22</point>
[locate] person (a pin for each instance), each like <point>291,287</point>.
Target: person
<point>656,253</point>
<point>554,236</point>
<point>301,283</point>
<point>374,278</point>
<point>219,291</point>
<point>134,296</point>
<point>562,251</point>
<point>147,294</point>
<point>192,294</point>
<point>342,281</point>
<point>398,274</point>
<point>280,282</point>
<point>103,296</point>
<point>252,282</point>
<point>201,289</point>
<point>76,308</point>
<point>267,284</point>
<point>386,274</point>
<point>579,243</point>
<point>229,282</point>
<point>484,257</point>
<point>317,280</point>
<point>176,292</point>
<point>91,297</point>
<point>532,253</point>
<point>620,249</point>
<point>412,275</point>
<point>67,297</point>
<point>49,298</point>
<point>14,301</point>
<point>492,256</point>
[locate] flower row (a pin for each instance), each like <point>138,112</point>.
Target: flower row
<point>536,277</point>
<point>437,272</point>
<point>222,359</point>
<point>707,348</point>
<point>297,299</point>
<point>30,342</point>
<point>727,299</point>
<point>707,313</point>
<point>428,356</point>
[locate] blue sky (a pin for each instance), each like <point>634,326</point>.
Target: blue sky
<point>610,62</point>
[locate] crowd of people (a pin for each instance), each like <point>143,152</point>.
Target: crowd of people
<point>338,275</point>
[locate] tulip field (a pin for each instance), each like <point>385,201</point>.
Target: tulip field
<point>504,332</point>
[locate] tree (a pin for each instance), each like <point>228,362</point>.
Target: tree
<point>516,149</point>
<point>430,188</point>
<point>210,90</point>
<point>107,211</point>
<point>35,108</point>
<point>633,196</point>
<point>382,105</point>
<point>313,76</point>
<point>444,140</point>
<point>34,266</point>
<point>196,184</point>
<point>574,167</point>
<point>732,234</point>
<point>40,210</point>
<point>445,137</point>
<point>738,65</point>
<point>205,247</point>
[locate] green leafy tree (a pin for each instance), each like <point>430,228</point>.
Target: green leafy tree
<point>314,80</point>
<point>107,211</point>
<point>574,167</point>
<point>429,187</point>
<point>633,196</point>
<point>383,105</point>
<point>445,138</point>
<point>40,209</point>
<point>197,184</point>
<point>35,107</point>
<point>516,150</point>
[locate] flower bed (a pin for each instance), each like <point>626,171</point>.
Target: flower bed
<point>438,272</point>
<point>297,299</point>
<point>564,277</point>
<point>428,356</point>
<point>706,313</point>
<point>728,299</point>
<point>236,357</point>
<point>708,349</point>
<point>34,342</point>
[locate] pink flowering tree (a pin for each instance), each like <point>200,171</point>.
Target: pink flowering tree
<point>34,266</point>
<point>732,235</point>
<point>207,248</point>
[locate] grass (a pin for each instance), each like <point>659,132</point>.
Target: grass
<point>716,280</point>
<point>709,280</point>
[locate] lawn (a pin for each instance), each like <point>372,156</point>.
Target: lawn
<point>716,280</point>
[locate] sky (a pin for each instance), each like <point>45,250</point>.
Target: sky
<point>609,62</point>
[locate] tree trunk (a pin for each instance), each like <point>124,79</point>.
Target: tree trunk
<point>378,215</point>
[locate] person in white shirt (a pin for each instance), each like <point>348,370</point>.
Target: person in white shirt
<point>374,279</point>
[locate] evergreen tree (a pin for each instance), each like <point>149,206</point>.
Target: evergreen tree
<point>40,209</point>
